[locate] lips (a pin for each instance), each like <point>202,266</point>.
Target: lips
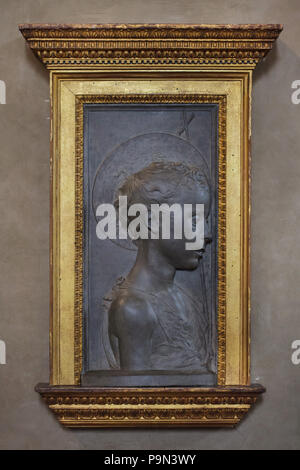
<point>199,252</point>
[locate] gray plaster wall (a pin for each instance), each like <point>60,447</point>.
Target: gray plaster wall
<point>25,421</point>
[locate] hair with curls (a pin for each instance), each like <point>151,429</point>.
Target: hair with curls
<point>158,183</point>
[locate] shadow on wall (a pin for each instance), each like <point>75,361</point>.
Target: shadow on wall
<point>275,227</point>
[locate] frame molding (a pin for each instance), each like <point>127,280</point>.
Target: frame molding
<point>84,407</point>
<point>150,64</point>
<point>66,256</point>
<point>88,45</point>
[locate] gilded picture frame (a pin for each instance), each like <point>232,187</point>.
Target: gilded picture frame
<point>156,64</point>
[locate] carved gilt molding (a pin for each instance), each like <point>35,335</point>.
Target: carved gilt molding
<point>149,407</point>
<point>85,46</point>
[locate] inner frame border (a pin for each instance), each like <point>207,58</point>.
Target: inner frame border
<point>219,100</point>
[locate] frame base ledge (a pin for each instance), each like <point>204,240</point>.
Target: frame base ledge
<point>98,407</point>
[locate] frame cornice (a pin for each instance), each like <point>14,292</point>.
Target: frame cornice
<point>156,45</point>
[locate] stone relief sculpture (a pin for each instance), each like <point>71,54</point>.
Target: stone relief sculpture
<point>152,323</point>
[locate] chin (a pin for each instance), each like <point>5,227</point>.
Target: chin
<point>190,262</point>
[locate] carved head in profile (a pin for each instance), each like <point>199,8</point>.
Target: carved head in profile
<point>170,183</point>
<point>152,323</point>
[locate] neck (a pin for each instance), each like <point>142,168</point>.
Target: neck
<point>151,268</point>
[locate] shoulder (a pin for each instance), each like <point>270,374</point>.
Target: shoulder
<point>131,309</point>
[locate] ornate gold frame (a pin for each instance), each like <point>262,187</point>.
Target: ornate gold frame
<point>160,64</point>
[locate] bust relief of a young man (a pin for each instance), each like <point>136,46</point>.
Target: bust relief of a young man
<point>152,323</point>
